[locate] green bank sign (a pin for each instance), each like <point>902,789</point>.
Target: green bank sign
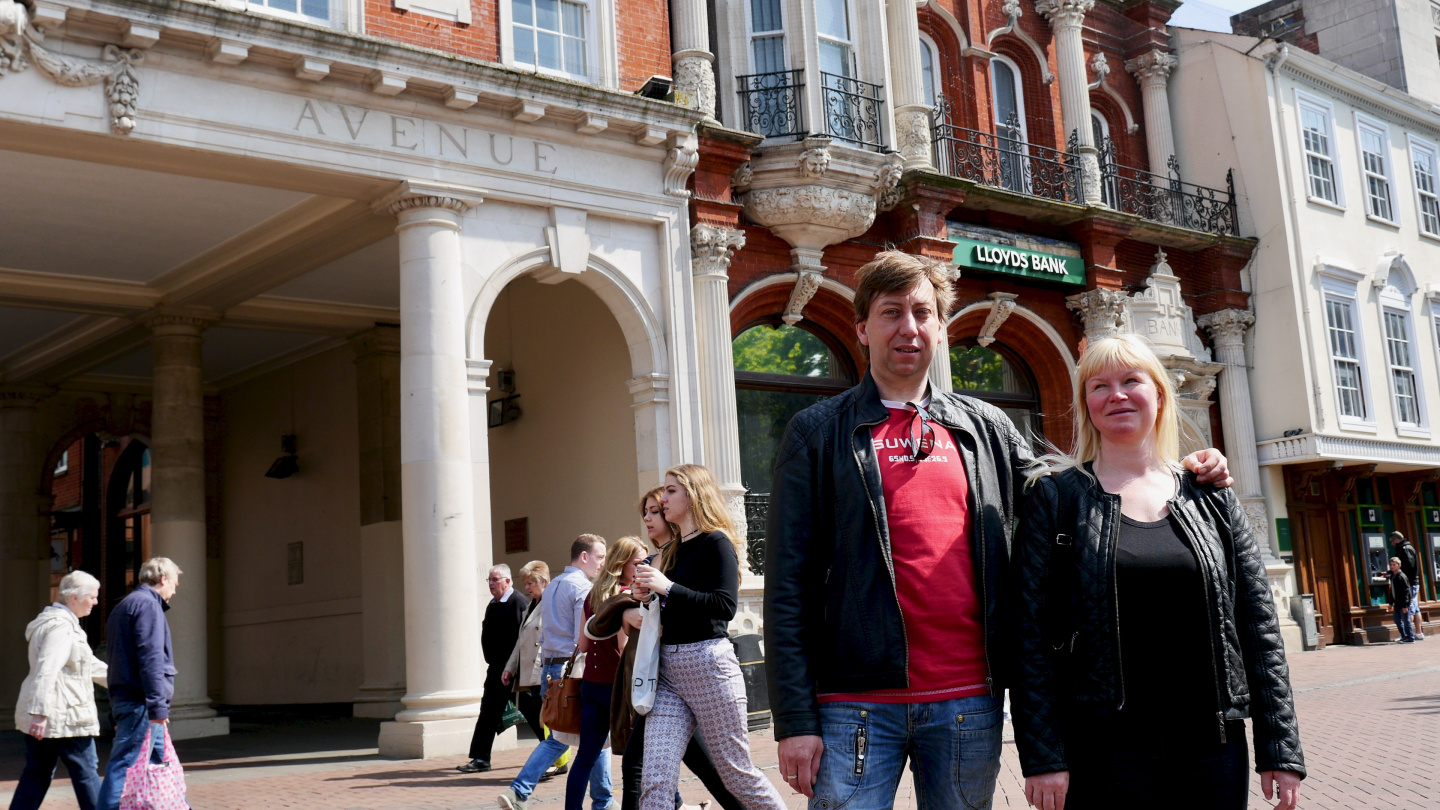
<point>1019,262</point>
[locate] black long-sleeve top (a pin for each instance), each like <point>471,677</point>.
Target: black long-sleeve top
<point>502,628</point>
<point>705,588</point>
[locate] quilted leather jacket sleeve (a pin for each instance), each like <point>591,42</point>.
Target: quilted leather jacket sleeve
<point>1272,705</point>
<point>794,584</point>
<point>1033,696</point>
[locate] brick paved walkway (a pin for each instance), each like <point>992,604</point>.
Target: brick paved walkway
<point>1369,720</point>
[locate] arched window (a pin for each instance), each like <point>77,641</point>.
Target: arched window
<point>1100,129</point>
<point>1009,109</point>
<point>779,371</point>
<point>1001,380</point>
<point>927,71</point>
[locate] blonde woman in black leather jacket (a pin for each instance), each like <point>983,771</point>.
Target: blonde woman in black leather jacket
<point>1146,628</point>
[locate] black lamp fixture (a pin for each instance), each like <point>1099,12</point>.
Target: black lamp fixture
<point>286,465</point>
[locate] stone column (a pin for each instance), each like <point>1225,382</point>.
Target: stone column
<point>1101,310</point>
<point>694,64</point>
<point>1227,330</point>
<point>710,250</point>
<point>382,563</point>
<point>177,512</point>
<point>907,85</point>
<point>24,555</point>
<point>441,584</point>
<point>1153,72</point>
<point>1066,17</point>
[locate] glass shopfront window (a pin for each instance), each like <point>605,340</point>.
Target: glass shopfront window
<point>1001,380</point>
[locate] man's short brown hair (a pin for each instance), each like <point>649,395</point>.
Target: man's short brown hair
<point>894,271</point>
<point>584,543</point>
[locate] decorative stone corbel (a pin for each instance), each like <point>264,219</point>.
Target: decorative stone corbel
<point>1012,10</point>
<point>1101,66</point>
<point>1101,311</point>
<point>887,187</point>
<point>680,163</point>
<point>1003,304</point>
<point>20,47</point>
<point>809,272</point>
<point>741,178</point>
<point>815,159</point>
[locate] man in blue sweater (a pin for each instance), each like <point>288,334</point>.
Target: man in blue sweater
<point>142,673</point>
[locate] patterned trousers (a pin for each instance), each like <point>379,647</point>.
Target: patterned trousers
<point>701,689</point>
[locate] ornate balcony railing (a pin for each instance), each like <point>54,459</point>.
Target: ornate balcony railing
<point>853,111</point>
<point>1005,160</point>
<point>757,508</point>
<point>772,103</point>
<point>1168,199</point>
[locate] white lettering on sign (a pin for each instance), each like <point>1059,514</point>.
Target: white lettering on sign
<point>1005,257</point>
<point>408,133</point>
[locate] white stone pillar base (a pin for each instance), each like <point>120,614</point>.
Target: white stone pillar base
<point>193,728</point>
<point>380,705</point>
<point>426,739</point>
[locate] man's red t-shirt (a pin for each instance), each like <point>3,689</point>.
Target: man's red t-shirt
<point>927,508</point>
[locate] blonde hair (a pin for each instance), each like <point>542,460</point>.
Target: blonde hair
<point>535,571</point>
<point>621,552</point>
<point>707,507</point>
<point>1123,352</point>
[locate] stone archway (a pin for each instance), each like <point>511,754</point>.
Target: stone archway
<point>1049,360</point>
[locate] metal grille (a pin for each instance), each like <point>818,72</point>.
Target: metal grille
<point>757,507</point>
<point>771,103</point>
<point>853,110</point>
<point>1169,199</point>
<point>1004,160</point>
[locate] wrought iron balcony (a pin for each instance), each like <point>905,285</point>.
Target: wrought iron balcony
<point>853,111</point>
<point>1005,160</point>
<point>1168,199</point>
<point>772,103</point>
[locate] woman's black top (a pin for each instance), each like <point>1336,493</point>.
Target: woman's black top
<point>705,587</point>
<point>1165,650</point>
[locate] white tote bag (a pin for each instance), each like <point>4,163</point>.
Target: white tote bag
<point>647,659</point>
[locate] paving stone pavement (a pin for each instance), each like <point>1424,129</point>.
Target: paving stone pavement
<point>1369,721</point>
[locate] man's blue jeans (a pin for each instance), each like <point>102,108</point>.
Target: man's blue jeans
<point>953,747</point>
<point>131,722</point>
<point>550,750</point>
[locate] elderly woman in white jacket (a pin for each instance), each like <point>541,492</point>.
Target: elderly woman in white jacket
<point>57,701</point>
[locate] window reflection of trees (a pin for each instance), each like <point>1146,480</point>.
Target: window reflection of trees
<point>990,375</point>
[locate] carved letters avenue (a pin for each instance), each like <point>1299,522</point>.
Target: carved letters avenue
<point>409,133</point>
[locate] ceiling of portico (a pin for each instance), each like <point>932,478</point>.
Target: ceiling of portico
<point>80,218</point>
<point>88,248</point>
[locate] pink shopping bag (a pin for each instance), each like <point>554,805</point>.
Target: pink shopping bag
<point>155,787</point>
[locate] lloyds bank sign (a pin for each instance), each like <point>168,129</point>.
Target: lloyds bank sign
<point>1068,270</point>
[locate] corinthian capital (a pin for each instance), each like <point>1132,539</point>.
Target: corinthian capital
<point>172,322</point>
<point>1153,66</point>
<point>711,248</point>
<point>1227,327</point>
<point>415,194</point>
<point>1062,13</point>
<point>1102,311</point>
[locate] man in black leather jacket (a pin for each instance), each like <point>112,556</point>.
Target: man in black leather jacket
<point>839,650</point>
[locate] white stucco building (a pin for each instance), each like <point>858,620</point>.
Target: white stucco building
<point>1338,177</point>
<point>220,226</point>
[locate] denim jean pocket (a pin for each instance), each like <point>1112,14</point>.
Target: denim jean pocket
<point>977,755</point>
<point>842,766</point>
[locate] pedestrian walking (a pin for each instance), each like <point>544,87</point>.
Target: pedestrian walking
<point>700,685</point>
<point>499,632</point>
<point>56,708</point>
<point>627,728</point>
<point>141,673</point>
<point>887,555</point>
<point>1398,591</point>
<point>602,662</point>
<point>562,615</point>
<point>523,669</point>
<point>1145,624</point>
<point>1410,564</point>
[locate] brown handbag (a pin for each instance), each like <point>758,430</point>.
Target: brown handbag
<point>561,710</point>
